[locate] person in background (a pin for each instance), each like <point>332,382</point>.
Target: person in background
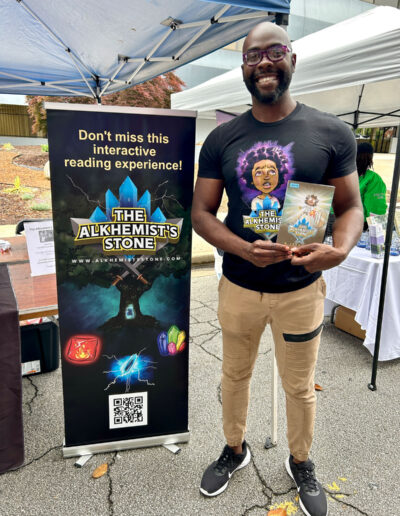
<point>372,187</point>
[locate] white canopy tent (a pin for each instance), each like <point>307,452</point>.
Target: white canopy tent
<point>351,69</point>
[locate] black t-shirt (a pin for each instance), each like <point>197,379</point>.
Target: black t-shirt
<point>308,145</point>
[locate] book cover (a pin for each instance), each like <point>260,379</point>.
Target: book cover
<point>305,213</point>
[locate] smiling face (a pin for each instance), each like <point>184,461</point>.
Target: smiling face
<point>311,200</point>
<point>265,176</point>
<point>268,81</point>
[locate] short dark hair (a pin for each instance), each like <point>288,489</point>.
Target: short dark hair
<point>365,152</point>
<point>365,148</point>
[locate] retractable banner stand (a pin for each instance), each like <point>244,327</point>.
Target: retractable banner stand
<point>122,183</point>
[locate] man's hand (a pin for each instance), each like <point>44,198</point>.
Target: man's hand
<point>264,252</point>
<point>317,257</point>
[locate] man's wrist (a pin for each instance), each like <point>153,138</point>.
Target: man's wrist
<point>245,250</point>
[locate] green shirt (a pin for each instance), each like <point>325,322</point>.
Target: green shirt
<point>373,193</point>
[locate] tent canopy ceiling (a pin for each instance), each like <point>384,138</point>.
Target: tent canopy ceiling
<point>96,47</point>
<point>353,65</point>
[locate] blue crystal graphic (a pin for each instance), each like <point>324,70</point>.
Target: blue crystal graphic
<point>144,202</point>
<point>162,342</point>
<point>128,194</point>
<point>127,199</point>
<point>266,204</point>
<point>111,202</point>
<point>303,222</point>
<point>158,216</point>
<point>98,216</point>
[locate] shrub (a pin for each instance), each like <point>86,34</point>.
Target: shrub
<point>27,197</point>
<point>41,207</point>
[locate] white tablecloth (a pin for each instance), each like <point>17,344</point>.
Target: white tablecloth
<point>356,283</point>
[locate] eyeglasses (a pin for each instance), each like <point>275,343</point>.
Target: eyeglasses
<point>275,53</point>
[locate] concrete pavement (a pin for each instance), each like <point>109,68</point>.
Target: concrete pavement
<point>356,447</point>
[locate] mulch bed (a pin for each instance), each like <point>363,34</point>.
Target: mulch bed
<point>15,163</point>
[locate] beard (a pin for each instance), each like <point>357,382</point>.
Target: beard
<point>271,97</point>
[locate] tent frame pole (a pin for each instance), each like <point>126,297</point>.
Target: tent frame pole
<point>43,83</point>
<point>152,51</point>
<point>75,60</point>
<point>214,19</point>
<point>388,242</point>
<point>123,60</point>
<point>224,19</point>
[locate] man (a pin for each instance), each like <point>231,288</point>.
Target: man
<point>265,282</point>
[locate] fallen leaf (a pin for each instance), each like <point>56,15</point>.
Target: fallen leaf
<point>333,487</point>
<point>318,387</point>
<point>100,470</point>
<point>343,479</point>
<point>288,507</point>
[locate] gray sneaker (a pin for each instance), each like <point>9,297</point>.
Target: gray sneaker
<point>216,477</point>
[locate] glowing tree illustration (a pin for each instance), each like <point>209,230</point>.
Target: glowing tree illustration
<point>135,274</point>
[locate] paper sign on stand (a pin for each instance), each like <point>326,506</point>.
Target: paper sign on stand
<point>40,244</point>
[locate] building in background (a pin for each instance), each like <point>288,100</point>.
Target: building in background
<point>306,17</point>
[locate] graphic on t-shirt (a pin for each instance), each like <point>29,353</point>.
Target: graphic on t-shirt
<point>263,172</point>
<point>305,213</point>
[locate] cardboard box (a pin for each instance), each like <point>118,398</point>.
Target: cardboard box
<point>344,320</point>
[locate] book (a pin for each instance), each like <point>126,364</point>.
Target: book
<point>305,213</point>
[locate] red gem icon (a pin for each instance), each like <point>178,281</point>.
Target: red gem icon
<point>83,349</point>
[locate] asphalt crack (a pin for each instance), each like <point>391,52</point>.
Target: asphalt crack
<point>250,509</point>
<point>210,334</point>
<point>216,326</point>
<point>29,403</point>
<point>110,486</point>
<point>38,458</point>
<point>219,393</point>
<point>333,496</point>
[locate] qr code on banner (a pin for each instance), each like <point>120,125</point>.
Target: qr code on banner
<point>127,410</point>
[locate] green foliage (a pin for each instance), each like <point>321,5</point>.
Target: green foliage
<point>27,197</point>
<point>8,146</point>
<point>40,207</point>
<point>44,147</point>
<point>17,188</point>
<point>154,93</point>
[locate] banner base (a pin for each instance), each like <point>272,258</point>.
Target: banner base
<point>144,442</point>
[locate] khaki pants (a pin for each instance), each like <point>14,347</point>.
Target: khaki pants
<point>296,322</point>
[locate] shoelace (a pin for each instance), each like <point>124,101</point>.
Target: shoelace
<point>224,459</point>
<point>307,477</point>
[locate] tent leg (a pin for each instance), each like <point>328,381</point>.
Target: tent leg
<point>388,241</point>
<point>270,442</point>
